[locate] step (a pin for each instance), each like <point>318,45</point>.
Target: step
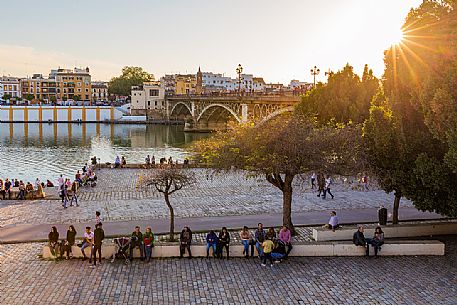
<point>390,248</point>
<point>390,231</point>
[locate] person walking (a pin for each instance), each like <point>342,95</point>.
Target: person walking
<point>328,183</point>
<point>74,195</point>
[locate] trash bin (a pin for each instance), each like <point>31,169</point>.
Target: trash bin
<point>382,216</point>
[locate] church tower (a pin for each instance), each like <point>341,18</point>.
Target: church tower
<point>199,87</point>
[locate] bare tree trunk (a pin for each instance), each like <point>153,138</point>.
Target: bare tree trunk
<point>172,217</point>
<point>287,203</point>
<point>396,206</point>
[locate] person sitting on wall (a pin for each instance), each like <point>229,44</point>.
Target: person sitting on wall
<point>333,222</point>
<point>53,239</point>
<point>123,162</point>
<point>117,162</point>
<point>94,160</point>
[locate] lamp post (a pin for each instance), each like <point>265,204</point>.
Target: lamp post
<point>315,71</point>
<point>239,70</point>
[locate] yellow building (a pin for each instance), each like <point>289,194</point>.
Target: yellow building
<point>186,84</point>
<point>73,84</point>
<point>42,89</point>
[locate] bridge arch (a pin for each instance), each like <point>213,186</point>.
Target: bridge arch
<point>182,104</point>
<point>275,114</point>
<point>233,113</point>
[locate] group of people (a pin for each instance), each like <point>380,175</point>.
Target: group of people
<point>376,242</point>
<point>68,191</point>
<point>92,239</point>
<point>6,189</point>
<point>269,244</point>
<point>324,184</point>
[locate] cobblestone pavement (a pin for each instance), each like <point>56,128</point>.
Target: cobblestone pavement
<point>27,279</point>
<point>118,197</point>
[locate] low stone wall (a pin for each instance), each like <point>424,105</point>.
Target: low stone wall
<point>390,231</point>
<point>391,248</point>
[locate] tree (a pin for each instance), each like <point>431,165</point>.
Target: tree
<point>6,96</point>
<point>345,98</point>
<point>167,181</point>
<point>281,149</point>
<point>402,134</point>
<point>76,98</point>
<point>53,99</point>
<point>131,76</point>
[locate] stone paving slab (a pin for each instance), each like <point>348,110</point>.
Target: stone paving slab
<point>26,279</point>
<point>118,198</point>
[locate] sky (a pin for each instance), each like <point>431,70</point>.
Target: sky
<point>277,40</point>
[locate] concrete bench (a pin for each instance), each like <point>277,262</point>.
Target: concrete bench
<point>390,231</point>
<point>390,248</point>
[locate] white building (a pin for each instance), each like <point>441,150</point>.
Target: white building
<point>149,96</point>
<point>11,86</point>
<point>99,91</point>
<point>296,84</point>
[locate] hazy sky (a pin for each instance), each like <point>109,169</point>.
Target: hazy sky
<point>278,40</point>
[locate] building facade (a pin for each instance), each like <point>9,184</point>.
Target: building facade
<point>11,86</point>
<point>39,89</point>
<point>148,98</point>
<point>186,84</point>
<point>99,91</point>
<point>73,84</point>
<point>1,91</point>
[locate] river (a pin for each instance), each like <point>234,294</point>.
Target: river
<point>44,151</point>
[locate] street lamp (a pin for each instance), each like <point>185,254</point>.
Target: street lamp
<point>315,71</point>
<point>239,70</point>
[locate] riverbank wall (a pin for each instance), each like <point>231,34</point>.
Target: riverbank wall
<point>60,114</point>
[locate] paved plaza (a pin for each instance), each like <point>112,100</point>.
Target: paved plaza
<point>27,279</point>
<point>119,198</point>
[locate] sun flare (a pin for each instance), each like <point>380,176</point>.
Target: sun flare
<point>396,37</point>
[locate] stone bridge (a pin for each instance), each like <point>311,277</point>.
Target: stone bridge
<point>205,113</point>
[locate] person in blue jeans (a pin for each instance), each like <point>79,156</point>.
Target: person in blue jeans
<point>245,236</point>
<point>211,242</point>
<point>259,238</point>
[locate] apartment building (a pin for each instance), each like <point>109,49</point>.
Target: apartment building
<point>11,86</point>
<point>148,97</point>
<point>73,84</point>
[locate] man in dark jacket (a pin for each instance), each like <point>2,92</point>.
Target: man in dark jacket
<point>185,240</point>
<point>99,236</point>
<point>359,239</point>
<point>259,238</point>
<point>136,240</point>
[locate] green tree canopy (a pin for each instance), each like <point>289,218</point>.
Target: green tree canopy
<point>344,98</point>
<point>131,76</point>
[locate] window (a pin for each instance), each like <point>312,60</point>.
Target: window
<point>153,92</point>
<point>87,96</point>
<point>79,89</point>
<point>149,103</point>
<point>155,103</point>
<point>79,84</point>
<point>87,89</point>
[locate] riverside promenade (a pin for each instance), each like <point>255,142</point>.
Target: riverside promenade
<point>228,200</point>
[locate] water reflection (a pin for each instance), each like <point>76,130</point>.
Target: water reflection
<point>32,150</point>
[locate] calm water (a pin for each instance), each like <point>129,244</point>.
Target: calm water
<point>30,151</point>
